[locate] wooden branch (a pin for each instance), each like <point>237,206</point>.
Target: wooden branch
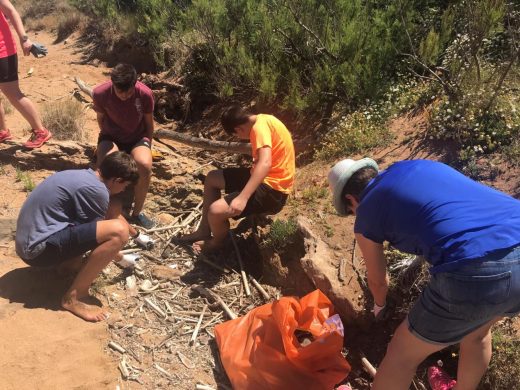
<point>83,87</point>
<point>264,293</point>
<point>218,146</point>
<point>155,308</point>
<point>241,265</point>
<point>368,367</point>
<point>199,323</point>
<point>204,143</point>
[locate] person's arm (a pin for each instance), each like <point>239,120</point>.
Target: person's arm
<point>260,171</point>
<point>375,263</point>
<point>100,118</point>
<point>148,122</point>
<point>8,10</point>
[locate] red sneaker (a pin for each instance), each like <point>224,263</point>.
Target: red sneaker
<point>38,138</point>
<point>5,135</point>
<point>439,380</point>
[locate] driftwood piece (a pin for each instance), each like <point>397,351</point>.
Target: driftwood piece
<point>368,367</point>
<point>197,328</point>
<point>83,87</point>
<point>210,294</point>
<point>155,308</point>
<point>209,144</point>
<point>259,287</point>
<point>116,347</point>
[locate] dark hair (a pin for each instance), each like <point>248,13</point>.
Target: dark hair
<point>123,76</point>
<point>119,165</point>
<point>232,117</point>
<point>357,183</point>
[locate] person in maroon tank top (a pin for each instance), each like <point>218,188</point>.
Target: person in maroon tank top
<point>9,77</point>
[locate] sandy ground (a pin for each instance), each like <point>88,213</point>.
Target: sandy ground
<point>44,347</point>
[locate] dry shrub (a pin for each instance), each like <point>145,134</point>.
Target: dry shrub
<point>8,107</point>
<point>66,120</point>
<point>67,24</point>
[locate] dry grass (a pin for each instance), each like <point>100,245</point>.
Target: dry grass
<point>67,24</point>
<point>8,107</point>
<point>66,120</point>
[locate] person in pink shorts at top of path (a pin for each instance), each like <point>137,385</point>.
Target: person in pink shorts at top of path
<point>9,77</point>
<point>124,108</point>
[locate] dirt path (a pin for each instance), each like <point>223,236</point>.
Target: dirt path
<point>42,346</point>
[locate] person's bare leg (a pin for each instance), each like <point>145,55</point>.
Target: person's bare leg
<point>213,185</point>
<point>22,103</point>
<point>143,158</point>
<point>111,236</point>
<point>103,149</point>
<point>3,124</point>
<point>405,352</point>
<point>475,354</point>
<point>70,267</point>
<point>218,218</point>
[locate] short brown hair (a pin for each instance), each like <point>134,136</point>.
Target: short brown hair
<point>357,184</point>
<point>123,76</point>
<point>232,117</point>
<point>119,165</point>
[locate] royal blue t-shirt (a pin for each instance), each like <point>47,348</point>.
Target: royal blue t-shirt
<point>427,208</point>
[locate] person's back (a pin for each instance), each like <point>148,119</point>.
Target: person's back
<point>428,208</point>
<point>66,198</point>
<point>281,174</point>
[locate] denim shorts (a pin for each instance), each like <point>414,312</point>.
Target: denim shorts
<point>456,303</point>
<point>73,241</point>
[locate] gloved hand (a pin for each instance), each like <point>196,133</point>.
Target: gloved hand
<point>378,311</point>
<point>37,49</point>
<point>128,260</point>
<point>144,241</point>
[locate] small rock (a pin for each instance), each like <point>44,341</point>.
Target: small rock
<point>162,272</point>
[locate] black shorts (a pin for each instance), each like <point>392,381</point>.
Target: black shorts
<point>126,146</point>
<point>9,68</point>
<point>264,200</point>
<point>73,241</point>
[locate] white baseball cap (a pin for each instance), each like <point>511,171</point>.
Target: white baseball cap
<point>341,173</point>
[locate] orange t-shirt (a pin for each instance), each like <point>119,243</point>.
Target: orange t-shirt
<point>270,131</point>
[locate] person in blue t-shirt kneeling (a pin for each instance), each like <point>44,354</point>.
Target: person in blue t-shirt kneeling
<point>470,235</point>
<point>66,216</point>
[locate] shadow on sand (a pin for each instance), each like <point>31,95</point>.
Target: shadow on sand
<point>34,287</point>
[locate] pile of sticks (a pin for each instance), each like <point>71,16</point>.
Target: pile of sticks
<point>164,311</point>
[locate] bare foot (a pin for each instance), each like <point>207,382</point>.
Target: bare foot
<point>83,310</point>
<point>207,246</point>
<point>191,238</point>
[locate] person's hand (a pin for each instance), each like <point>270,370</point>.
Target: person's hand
<point>37,50</point>
<point>144,241</point>
<point>378,310</point>
<point>26,47</point>
<point>237,205</point>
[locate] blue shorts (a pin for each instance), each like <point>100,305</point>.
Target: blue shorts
<point>456,303</point>
<point>73,241</point>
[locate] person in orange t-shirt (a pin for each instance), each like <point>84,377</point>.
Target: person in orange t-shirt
<point>262,189</point>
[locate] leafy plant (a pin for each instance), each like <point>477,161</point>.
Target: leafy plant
<point>281,234</point>
<point>25,179</point>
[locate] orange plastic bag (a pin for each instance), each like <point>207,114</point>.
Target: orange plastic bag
<point>260,350</point>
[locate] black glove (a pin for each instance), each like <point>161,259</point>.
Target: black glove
<point>37,50</point>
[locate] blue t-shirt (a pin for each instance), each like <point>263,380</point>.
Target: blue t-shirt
<point>427,208</point>
<point>66,198</point>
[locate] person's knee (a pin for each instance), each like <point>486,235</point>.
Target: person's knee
<point>120,231</point>
<point>144,168</point>
<point>214,179</point>
<point>219,209</point>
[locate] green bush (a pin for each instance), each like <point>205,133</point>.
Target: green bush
<point>281,234</point>
<point>353,134</point>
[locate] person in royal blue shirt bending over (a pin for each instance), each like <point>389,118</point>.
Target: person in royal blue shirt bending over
<point>470,235</point>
